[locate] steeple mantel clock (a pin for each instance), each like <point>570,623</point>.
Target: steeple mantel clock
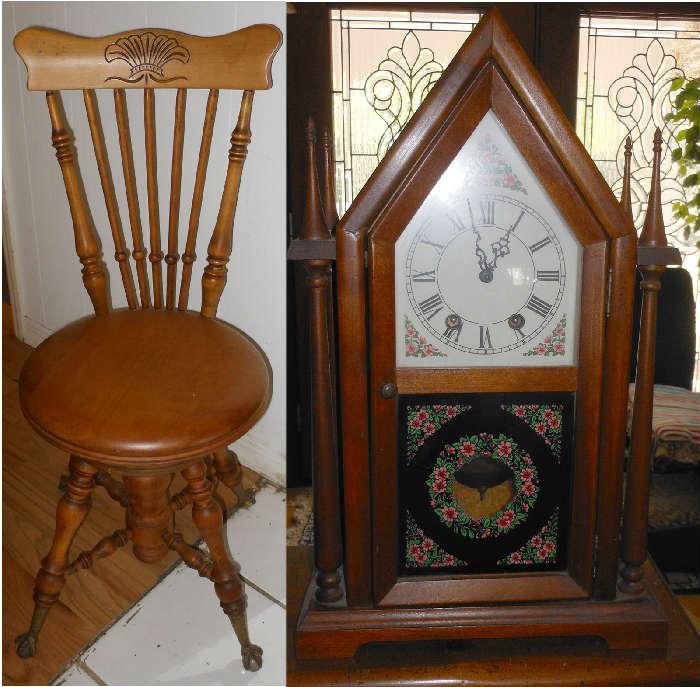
<point>484,294</point>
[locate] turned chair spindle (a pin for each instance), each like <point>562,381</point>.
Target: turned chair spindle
<point>221,243</point>
<point>114,370</point>
<point>120,255</point>
<point>86,244</point>
<point>132,199</point>
<point>175,186</point>
<point>189,256</point>
<point>156,254</point>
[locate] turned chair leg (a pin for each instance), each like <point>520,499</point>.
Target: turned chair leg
<point>70,513</point>
<point>228,585</point>
<point>231,474</point>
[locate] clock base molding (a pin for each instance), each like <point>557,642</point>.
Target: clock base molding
<point>626,623</point>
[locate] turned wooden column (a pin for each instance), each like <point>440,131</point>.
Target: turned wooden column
<point>327,543</point>
<point>149,515</point>
<point>653,256</point>
<point>626,195</point>
<point>330,211</point>
<point>70,513</point>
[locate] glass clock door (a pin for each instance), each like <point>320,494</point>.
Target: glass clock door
<point>486,275</point>
<point>487,270</point>
<point>483,482</point>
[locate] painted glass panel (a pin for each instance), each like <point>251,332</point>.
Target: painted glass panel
<point>480,482</point>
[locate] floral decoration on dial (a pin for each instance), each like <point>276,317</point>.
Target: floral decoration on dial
<point>491,169</point>
<point>554,344</point>
<point>417,346</point>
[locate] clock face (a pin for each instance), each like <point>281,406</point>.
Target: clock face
<point>487,271</point>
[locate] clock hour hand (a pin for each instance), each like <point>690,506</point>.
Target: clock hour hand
<point>485,273</point>
<point>479,252</point>
<point>485,270</point>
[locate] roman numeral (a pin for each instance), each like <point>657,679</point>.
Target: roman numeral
<point>424,276</point>
<point>537,305</point>
<point>540,244</point>
<point>484,337</point>
<point>471,214</point>
<point>548,275</point>
<point>488,211</point>
<point>432,305</point>
<point>439,247</point>
<point>457,223</point>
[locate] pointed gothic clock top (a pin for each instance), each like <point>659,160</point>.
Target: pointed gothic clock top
<point>490,49</point>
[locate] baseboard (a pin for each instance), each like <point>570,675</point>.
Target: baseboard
<point>33,332</point>
<point>259,458</point>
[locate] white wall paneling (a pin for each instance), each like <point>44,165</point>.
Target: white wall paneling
<point>48,287</point>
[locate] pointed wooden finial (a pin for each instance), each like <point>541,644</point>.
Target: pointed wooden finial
<point>328,173</point>
<point>313,225</point>
<point>626,196</point>
<point>654,232</point>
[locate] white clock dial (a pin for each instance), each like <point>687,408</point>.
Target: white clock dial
<point>487,279</point>
<point>487,271</point>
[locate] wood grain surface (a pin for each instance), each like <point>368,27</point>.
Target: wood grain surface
<point>542,662</point>
<point>91,600</point>
<point>200,380</point>
<point>59,60</point>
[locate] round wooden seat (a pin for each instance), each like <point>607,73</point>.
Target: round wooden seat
<point>145,384</point>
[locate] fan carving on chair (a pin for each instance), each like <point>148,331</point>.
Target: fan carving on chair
<point>146,54</point>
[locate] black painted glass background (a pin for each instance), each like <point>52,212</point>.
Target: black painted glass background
<point>482,413</point>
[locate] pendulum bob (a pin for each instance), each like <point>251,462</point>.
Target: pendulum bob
<point>483,486</point>
<point>149,516</point>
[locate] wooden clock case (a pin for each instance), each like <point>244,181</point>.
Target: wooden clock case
<point>490,71</point>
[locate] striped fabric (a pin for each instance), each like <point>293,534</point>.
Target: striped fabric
<point>676,414</point>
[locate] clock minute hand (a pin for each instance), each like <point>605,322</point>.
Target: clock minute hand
<point>501,247</point>
<point>460,227</point>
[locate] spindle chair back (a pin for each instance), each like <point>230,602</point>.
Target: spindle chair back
<point>77,388</point>
<point>150,60</point>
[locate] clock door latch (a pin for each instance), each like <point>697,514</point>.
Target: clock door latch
<point>388,390</point>
<point>608,295</point>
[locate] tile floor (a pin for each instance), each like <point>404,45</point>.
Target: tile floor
<point>177,634</point>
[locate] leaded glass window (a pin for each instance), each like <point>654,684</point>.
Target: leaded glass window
<point>385,62</point>
<point>626,67</point>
